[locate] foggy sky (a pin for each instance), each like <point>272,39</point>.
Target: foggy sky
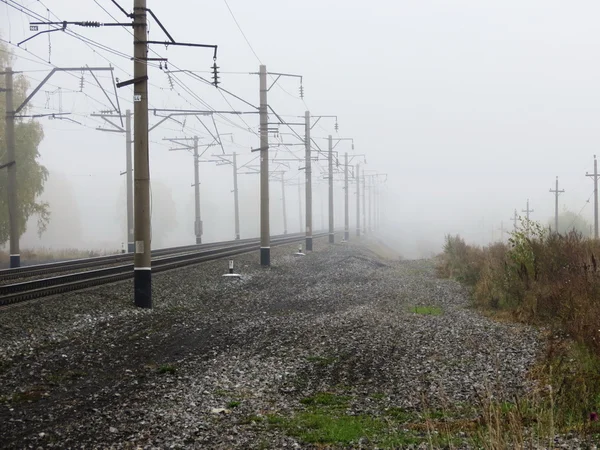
<point>470,107</point>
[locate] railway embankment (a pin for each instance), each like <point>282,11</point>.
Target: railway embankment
<point>341,347</point>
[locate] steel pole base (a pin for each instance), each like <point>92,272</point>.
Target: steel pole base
<point>346,235</point>
<point>237,237</point>
<point>198,240</point>
<point>358,232</point>
<point>331,238</point>
<point>15,261</point>
<point>265,256</point>
<point>309,244</point>
<point>142,284</point>
<point>130,247</point>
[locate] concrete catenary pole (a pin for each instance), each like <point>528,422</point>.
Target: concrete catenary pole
<point>370,195</point>
<point>142,256</point>
<point>285,229</point>
<point>265,239</point>
<point>197,214</point>
<point>300,207</point>
<point>236,203</point>
<point>308,181</point>
<point>13,222</point>
<point>129,181</point>
<point>357,200</point>
<point>364,202</point>
<point>595,175</point>
<point>346,212</point>
<point>330,160</point>
<point>556,192</point>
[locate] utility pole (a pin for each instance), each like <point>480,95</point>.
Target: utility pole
<point>527,211</point>
<point>197,218</point>
<point>556,193</point>
<point>129,181</point>
<point>300,205</point>
<point>308,181</point>
<point>198,226</point>
<point>265,238</point>
<point>236,198</point>
<point>370,186</point>
<point>595,175</point>
<point>142,256</point>
<point>330,160</point>
<point>283,202</point>
<point>364,201</point>
<point>357,200</point>
<point>514,219</point>
<point>346,212</point>
<point>13,223</point>
<point>106,116</point>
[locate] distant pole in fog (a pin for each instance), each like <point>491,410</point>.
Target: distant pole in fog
<point>357,200</point>
<point>236,203</point>
<point>527,211</point>
<point>300,207</point>
<point>197,218</point>
<point>595,175</point>
<point>330,179</point>
<point>283,202</point>
<point>514,218</point>
<point>128,166</point>
<point>346,212</point>
<point>308,181</point>
<point>556,193</point>
<point>364,201</point>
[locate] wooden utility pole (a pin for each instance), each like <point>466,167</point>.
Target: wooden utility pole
<point>595,176</point>
<point>556,193</point>
<point>527,211</point>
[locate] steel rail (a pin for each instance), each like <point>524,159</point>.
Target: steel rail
<point>74,264</point>
<point>29,290</point>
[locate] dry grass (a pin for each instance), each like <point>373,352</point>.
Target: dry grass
<point>552,280</point>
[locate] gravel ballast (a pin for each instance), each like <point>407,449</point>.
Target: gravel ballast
<point>218,360</point>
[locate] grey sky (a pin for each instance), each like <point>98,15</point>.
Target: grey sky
<point>471,107</point>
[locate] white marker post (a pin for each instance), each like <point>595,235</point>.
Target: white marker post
<point>231,274</point>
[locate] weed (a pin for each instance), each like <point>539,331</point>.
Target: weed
<point>167,368</point>
<point>427,310</point>
<point>326,399</point>
<point>233,404</point>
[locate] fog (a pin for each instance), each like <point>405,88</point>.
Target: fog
<point>469,107</point>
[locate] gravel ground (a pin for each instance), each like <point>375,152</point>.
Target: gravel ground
<point>220,363</point>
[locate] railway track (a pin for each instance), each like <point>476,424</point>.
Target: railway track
<point>11,294</point>
<point>96,262</point>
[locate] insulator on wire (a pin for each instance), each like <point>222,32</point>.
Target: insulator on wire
<point>301,91</point>
<point>215,70</point>
<point>336,126</point>
<point>81,83</point>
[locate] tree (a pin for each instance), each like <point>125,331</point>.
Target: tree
<point>31,175</point>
